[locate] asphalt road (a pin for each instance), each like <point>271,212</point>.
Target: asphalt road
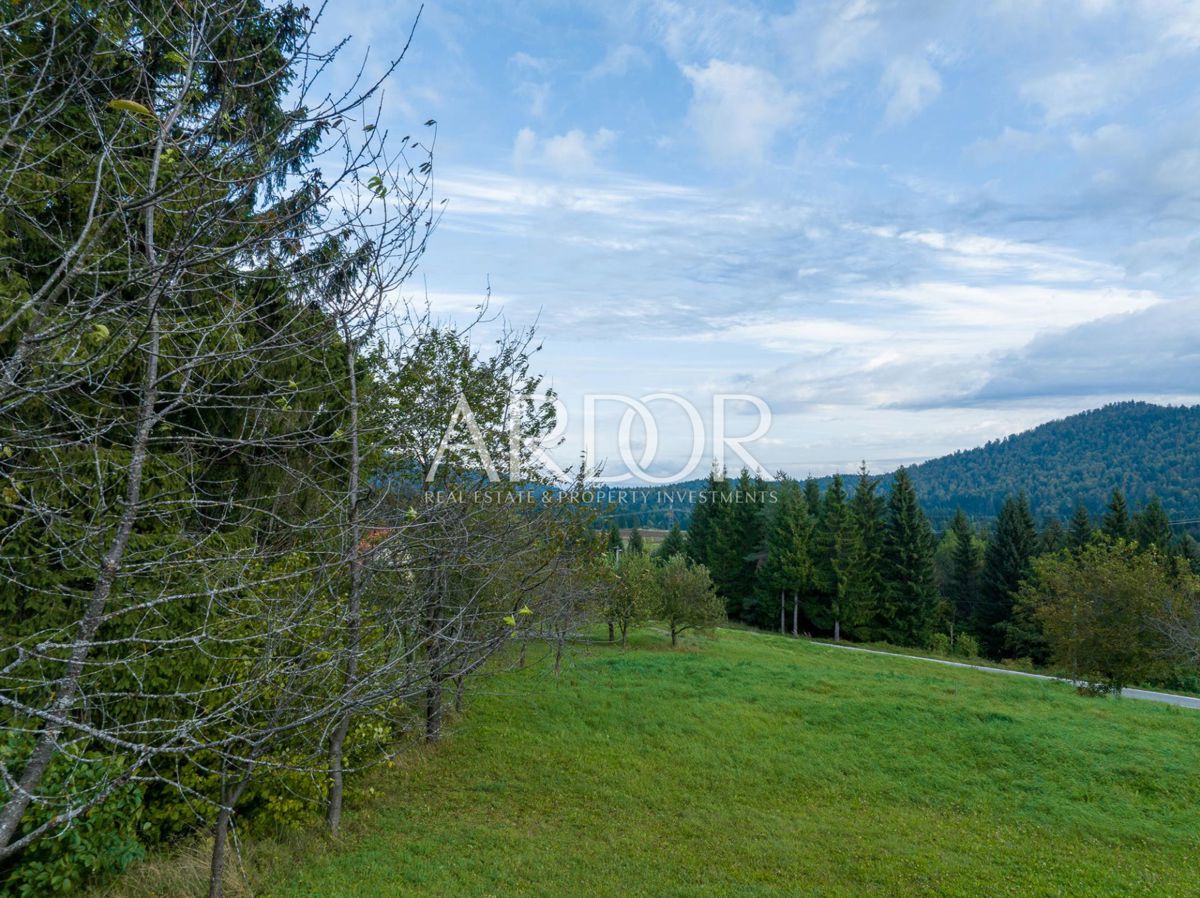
<point>1182,701</point>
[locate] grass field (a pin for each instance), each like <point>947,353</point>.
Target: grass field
<point>756,765</point>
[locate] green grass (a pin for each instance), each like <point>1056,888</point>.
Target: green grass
<point>757,765</point>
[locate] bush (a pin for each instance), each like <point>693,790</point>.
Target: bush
<point>939,644</point>
<point>102,841</point>
<point>966,646</point>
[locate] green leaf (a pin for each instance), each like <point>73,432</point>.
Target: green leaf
<point>131,106</point>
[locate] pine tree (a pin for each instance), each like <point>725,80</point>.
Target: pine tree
<point>1116,518</point>
<point>812,495</point>
<point>1005,564</point>
<point>962,586</point>
<point>1080,532</point>
<point>908,563</point>
<point>636,544</point>
<point>674,544</point>
<point>1152,527</point>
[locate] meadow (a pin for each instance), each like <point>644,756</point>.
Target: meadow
<point>755,765</point>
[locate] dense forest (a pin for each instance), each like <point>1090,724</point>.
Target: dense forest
<point>1142,449</point>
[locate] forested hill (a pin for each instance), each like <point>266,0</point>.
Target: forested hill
<point>1140,448</point>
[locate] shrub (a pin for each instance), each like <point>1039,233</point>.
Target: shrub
<point>939,644</point>
<point>966,646</point>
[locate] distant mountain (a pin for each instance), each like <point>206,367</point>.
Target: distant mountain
<point>1140,448</point>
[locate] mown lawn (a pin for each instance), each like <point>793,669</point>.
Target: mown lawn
<point>756,765</point>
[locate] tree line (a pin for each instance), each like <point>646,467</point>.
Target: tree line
<point>851,562</point>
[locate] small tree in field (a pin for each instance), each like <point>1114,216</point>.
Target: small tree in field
<point>634,592</point>
<point>1098,610</point>
<point>687,598</point>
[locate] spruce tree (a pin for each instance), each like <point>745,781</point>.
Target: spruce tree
<point>821,606</point>
<point>1080,532</point>
<point>674,544</point>
<point>706,520</point>
<point>1006,563</point>
<point>812,495</point>
<point>962,586</point>
<point>1116,518</point>
<point>636,544</point>
<point>867,599</point>
<point>738,547</point>
<point>787,570</point>
<point>1152,527</point>
<point>908,562</point>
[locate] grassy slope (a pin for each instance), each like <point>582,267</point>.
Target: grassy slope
<point>755,765</point>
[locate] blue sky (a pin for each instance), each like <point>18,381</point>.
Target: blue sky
<point>910,226</point>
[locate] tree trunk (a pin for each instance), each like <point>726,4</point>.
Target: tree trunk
<point>611,635</point>
<point>782,612</point>
<point>795,612</point>
<point>837,631</point>
<point>624,634</point>
<point>433,711</point>
<point>460,685</point>
<point>521,657</point>
<point>216,875</point>
<point>674,634</point>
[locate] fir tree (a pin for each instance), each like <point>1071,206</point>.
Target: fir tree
<point>962,586</point>
<point>908,561</point>
<point>1116,518</point>
<point>738,547</point>
<point>674,544</point>
<point>1005,564</point>
<point>867,595</point>
<point>1152,527</point>
<point>707,519</point>
<point>636,544</point>
<point>828,544</point>
<point>1080,532</point>
<point>788,567</point>
<point>812,495</point>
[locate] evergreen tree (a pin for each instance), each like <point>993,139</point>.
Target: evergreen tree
<point>1080,532</point>
<point>636,544</point>
<point>908,562</point>
<point>787,570</point>
<point>1053,537</point>
<point>674,544</point>
<point>738,547</point>
<point>615,544</point>
<point>821,606</point>
<point>962,586</point>
<point>812,495</point>
<point>707,519</point>
<point>867,596</point>
<point>1152,527</point>
<point>1006,563</point>
<point>1116,518</point>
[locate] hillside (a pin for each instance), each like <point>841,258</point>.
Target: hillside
<point>1141,448</point>
<point>753,765</point>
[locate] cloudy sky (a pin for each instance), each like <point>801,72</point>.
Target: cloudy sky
<point>910,227</point>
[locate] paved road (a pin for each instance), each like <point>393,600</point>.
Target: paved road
<point>1182,701</point>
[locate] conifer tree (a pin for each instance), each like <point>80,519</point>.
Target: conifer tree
<point>1152,527</point>
<point>812,495</point>
<point>674,544</point>
<point>636,544</point>
<point>1080,532</point>
<point>1116,518</point>
<point>738,547</point>
<point>787,570</point>
<point>868,592</point>
<point>707,517</point>
<point>1006,563</point>
<point>908,560</point>
<point>821,605</point>
<point>962,587</point>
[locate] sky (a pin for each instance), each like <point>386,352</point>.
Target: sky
<point>909,227</point>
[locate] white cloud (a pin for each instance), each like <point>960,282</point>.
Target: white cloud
<point>911,84</point>
<point>844,37</point>
<point>570,153</point>
<point>1083,89</point>
<point>738,110</point>
<point>619,60</point>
